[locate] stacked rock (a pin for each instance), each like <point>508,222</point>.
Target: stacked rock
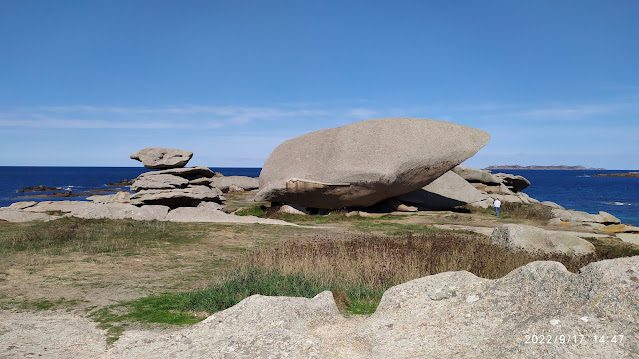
<point>172,185</point>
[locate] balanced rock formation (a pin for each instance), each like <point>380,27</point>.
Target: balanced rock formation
<point>531,239</point>
<point>446,192</point>
<point>178,197</point>
<point>174,187</point>
<point>224,183</point>
<point>365,162</point>
<point>161,158</point>
<point>447,315</point>
<point>154,180</point>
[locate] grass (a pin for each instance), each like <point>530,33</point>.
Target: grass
<point>257,211</point>
<point>90,236</point>
<point>356,270</point>
<point>42,304</point>
<point>529,211</point>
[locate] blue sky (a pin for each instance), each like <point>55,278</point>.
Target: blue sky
<point>88,82</point>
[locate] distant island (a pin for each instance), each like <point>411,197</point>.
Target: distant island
<point>623,174</point>
<point>560,167</point>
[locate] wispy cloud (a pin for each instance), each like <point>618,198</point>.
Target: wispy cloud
<point>219,117</point>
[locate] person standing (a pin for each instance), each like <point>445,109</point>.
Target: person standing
<point>497,205</point>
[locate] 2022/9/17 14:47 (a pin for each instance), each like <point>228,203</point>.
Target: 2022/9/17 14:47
<point>563,339</point>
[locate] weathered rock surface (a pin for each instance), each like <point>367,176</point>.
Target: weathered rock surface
<point>243,182</point>
<point>92,210</point>
<point>189,173</point>
<point>446,192</point>
<point>552,204</point>
<point>477,176</point>
<point>632,238</point>
<point>448,315</point>
<point>15,215</point>
<point>287,209</point>
<point>162,158</point>
<point>366,162</point>
<point>178,197</point>
<point>22,205</point>
<point>119,197</point>
<point>154,180</point>
<point>513,182</point>
<point>536,240</point>
<point>567,215</point>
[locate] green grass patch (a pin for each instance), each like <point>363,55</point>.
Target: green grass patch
<point>257,211</point>
<point>124,237</point>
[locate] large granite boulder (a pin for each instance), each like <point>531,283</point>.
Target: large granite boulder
<point>447,315</point>
<point>155,180</point>
<point>446,192</point>
<point>162,158</point>
<point>513,182</point>
<point>365,162</point>
<point>477,176</point>
<point>536,240</point>
<point>178,197</point>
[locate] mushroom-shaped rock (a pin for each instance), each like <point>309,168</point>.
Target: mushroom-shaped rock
<point>162,158</point>
<point>365,162</point>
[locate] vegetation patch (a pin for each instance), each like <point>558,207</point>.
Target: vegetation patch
<point>509,210</point>
<point>357,271</point>
<point>91,236</point>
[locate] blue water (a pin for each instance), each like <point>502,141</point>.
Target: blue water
<point>77,179</point>
<point>579,190</point>
<point>571,189</point>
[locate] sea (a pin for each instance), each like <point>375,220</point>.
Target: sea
<point>579,189</point>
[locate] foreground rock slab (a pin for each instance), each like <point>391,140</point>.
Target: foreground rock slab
<point>366,162</point>
<point>448,315</point>
<point>536,240</point>
<point>162,158</point>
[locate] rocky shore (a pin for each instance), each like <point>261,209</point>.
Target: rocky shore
<point>395,168</point>
<point>375,166</point>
